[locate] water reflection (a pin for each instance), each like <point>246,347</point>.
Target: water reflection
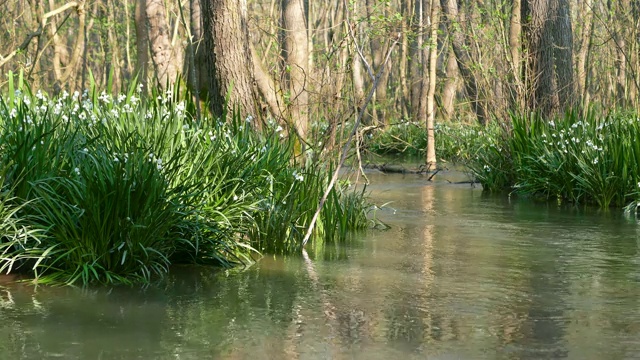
<point>460,275</point>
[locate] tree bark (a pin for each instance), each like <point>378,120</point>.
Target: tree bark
<point>431,110</point>
<point>585,45</point>
<point>162,53</point>
<point>450,88</point>
<point>295,50</point>
<point>549,39</point>
<point>142,43</point>
<point>229,62</point>
<point>515,35</point>
<point>460,49</point>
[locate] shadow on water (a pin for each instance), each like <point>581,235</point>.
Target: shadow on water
<point>459,275</point>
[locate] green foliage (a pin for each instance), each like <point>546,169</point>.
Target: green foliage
<point>588,159</point>
<point>115,190</point>
<point>455,142</point>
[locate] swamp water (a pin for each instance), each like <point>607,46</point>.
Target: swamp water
<point>460,275</point>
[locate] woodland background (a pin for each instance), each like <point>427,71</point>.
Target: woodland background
<point>310,62</point>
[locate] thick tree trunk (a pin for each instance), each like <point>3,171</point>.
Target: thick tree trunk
<point>228,56</point>
<point>296,54</point>
<point>563,53</point>
<point>549,39</point>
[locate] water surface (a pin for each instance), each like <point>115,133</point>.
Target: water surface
<point>460,275</point>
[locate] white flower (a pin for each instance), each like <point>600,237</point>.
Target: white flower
<point>297,176</point>
<point>77,170</point>
<point>235,197</point>
<point>595,161</point>
<point>249,118</point>
<point>552,124</point>
<point>279,128</point>
<point>104,97</point>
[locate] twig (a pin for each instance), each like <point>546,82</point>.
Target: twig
<point>347,145</point>
<point>38,32</point>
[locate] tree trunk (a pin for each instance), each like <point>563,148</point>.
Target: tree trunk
<point>585,47</point>
<point>431,109</point>
<point>295,50</point>
<point>162,53</point>
<point>549,39</point>
<point>563,53</point>
<point>142,43</point>
<point>196,68</point>
<point>515,34</point>
<point>460,49</point>
<point>226,41</point>
<point>450,88</point>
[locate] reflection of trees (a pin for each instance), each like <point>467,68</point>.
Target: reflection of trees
<point>410,317</point>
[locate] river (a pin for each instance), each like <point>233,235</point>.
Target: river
<point>459,275</point>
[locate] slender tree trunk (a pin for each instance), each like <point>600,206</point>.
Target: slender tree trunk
<point>586,15</point>
<point>142,43</point>
<point>268,88</point>
<point>404,102</point>
<point>450,88</point>
<point>296,54</point>
<point>515,34</point>
<point>460,49</point>
<point>425,31</point>
<point>431,109</point>
<point>226,40</point>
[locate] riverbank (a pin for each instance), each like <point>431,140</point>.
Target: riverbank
<point>578,158</point>
<point>114,189</point>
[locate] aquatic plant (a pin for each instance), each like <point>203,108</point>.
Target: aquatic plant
<point>116,189</point>
<point>589,158</point>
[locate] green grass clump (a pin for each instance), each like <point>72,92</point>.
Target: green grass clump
<point>455,142</point>
<point>590,159</point>
<point>97,189</point>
